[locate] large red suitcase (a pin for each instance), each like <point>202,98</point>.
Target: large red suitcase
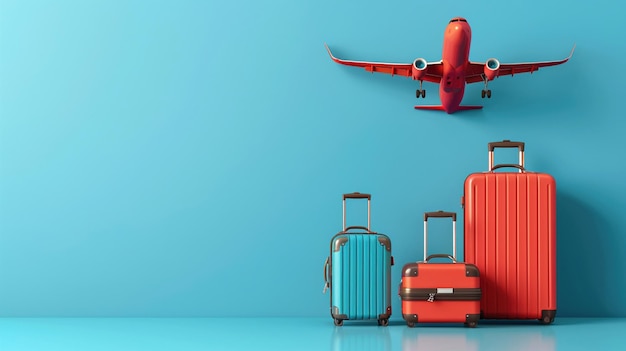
<point>510,235</point>
<point>440,292</point>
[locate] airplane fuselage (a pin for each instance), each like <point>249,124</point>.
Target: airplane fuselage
<point>455,57</point>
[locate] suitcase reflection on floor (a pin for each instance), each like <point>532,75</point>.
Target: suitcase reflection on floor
<point>492,336</point>
<point>359,337</point>
<point>435,339</point>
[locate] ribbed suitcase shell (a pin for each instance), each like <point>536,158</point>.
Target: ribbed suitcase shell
<point>360,276</point>
<point>510,235</point>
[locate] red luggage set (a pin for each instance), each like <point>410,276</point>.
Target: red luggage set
<point>510,254</point>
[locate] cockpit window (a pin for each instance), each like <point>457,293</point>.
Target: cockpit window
<point>458,19</point>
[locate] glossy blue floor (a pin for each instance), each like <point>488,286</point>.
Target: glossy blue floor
<point>182,334</point>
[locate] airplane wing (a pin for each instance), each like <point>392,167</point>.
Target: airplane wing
<point>434,70</point>
<point>476,69</point>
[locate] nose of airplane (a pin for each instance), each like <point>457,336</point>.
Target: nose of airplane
<point>457,23</point>
<point>458,29</point>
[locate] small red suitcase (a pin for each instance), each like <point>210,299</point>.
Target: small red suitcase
<point>440,292</point>
<point>510,235</point>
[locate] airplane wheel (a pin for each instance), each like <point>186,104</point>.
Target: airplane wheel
<point>488,94</point>
<point>423,93</point>
<point>482,94</point>
<point>418,93</point>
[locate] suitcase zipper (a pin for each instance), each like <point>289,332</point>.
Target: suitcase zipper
<point>439,294</point>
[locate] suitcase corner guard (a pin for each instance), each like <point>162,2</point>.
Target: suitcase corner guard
<point>385,315</point>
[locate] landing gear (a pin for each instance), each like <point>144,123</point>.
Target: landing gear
<point>420,92</point>
<point>486,92</point>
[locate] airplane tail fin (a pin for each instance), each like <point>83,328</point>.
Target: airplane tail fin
<point>440,108</point>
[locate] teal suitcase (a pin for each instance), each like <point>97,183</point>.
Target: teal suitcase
<point>358,272</point>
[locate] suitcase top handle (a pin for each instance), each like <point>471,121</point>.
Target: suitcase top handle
<point>522,169</point>
<point>506,144</point>
<point>439,256</point>
<point>354,227</point>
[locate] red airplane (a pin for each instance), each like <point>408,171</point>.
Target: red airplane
<point>454,70</point>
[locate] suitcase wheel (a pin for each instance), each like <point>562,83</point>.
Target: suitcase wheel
<point>338,322</point>
<point>410,324</point>
<point>383,322</point>
<point>546,320</point>
<point>471,324</point>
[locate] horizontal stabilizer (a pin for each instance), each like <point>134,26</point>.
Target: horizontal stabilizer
<point>469,107</point>
<point>441,108</point>
<point>430,107</point>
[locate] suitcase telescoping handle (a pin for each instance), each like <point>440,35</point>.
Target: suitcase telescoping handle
<point>440,214</point>
<point>440,256</point>
<point>357,196</point>
<point>506,144</point>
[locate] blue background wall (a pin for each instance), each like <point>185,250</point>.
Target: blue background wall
<point>187,158</point>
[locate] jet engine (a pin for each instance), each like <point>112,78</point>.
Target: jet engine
<point>492,66</point>
<point>419,68</point>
